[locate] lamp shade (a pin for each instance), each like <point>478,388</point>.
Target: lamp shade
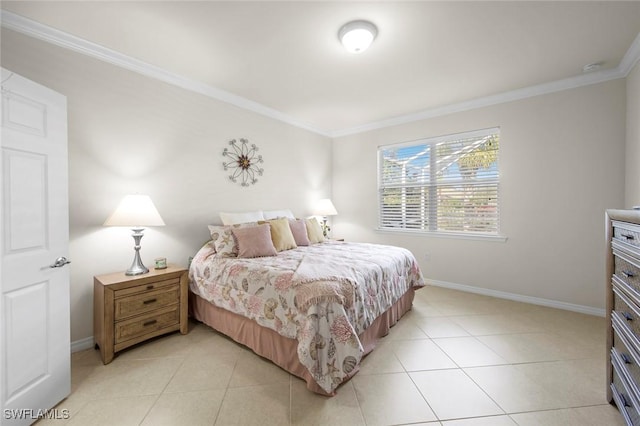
<point>325,207</point>
<point>135,211</point>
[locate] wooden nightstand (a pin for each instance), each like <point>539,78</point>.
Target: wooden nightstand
<point>131,309</point>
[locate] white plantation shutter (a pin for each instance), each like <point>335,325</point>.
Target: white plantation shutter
<point>444,184</point>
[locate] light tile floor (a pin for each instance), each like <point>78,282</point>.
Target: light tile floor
<point>457,359</point>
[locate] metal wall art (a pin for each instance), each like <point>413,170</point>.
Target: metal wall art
<point>243,162</point>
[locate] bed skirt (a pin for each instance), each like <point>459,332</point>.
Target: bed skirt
<point>281,350</point>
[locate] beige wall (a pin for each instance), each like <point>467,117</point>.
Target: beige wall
<point>561,165</point>
<point>129,133</point>
<point>632,168</point>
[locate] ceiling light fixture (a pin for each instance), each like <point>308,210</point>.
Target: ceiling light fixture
<point>357,36</point>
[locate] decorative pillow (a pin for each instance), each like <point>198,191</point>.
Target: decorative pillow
<point>314,230</point>
<point>299,231</point>
<point>275,214</point>
<point>236,218</point>
<point>281,234</point>
<point>223,240</point>
<point>254,241</point>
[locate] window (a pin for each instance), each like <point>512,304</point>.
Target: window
<point>447,184</point>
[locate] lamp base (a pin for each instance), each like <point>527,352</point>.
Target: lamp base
<point>326,229</point>
<point>137,268</point>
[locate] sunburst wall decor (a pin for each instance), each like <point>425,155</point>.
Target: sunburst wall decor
<point>243,162</point>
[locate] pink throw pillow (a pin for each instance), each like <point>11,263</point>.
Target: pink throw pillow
<point>254,241</point>
<point>299,231</point>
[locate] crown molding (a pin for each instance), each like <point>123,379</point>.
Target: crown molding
<point>51,35</point>
<point>630,58</point>
<point>504,97</point>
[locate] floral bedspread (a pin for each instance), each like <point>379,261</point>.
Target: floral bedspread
<point>324,296</point>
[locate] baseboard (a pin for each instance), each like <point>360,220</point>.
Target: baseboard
<point>82,344</point>
<point>589,310</point>
<point>87,342</point>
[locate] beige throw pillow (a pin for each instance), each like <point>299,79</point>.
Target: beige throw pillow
<point>281,234</point>
<point>314,230</point>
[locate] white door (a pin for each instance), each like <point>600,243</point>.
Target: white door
<point>34,225</point>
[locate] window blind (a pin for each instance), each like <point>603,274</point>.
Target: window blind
<point>447,184</point>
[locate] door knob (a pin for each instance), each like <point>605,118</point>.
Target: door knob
<point>60,262</point>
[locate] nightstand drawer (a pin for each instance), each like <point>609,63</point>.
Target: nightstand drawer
<point>155,285</point>
<point>147,301</point>
<point>147,324</point>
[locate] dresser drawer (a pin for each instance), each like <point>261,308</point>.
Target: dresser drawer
<point>628,412</point>
<point>628,365</point>
<point>147,324</point>
<point>625,304</point>
<point>623,396</point>
<point>140,303</point>
<point>627,233</point>
<point>623,337</point>
<point>624,375</point>
<point>627,269</point>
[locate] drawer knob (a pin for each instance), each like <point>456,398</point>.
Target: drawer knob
<point>148,323</point>
<point>625,358</point>
<point>627,316</point>
<point>150,287</point>
<point>146,302</point>
<point>628,274</point>
<point>628,236</point>
<point>624,400</point>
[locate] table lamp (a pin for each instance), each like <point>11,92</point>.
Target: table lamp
<point>136,212</point>
<point>325,208</point>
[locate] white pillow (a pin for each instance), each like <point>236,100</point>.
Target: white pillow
<point>235,218</point>
<point>275,214</point>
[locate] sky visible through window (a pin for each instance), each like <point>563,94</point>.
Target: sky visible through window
<point>418,159</point>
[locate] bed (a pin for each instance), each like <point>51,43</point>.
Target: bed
<point>315,310</point>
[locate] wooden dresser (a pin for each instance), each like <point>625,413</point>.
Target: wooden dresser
<point>131,309</point>
<point>623,312</point>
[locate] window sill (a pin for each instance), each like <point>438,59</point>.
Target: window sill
<point>440,234</point>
